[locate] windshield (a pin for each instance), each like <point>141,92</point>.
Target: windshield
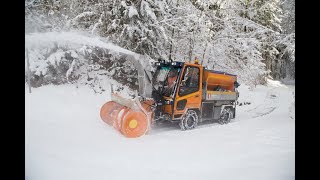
<point>162,74</point>
<point>165,77</point>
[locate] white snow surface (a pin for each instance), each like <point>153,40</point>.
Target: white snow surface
<point>66,139</point>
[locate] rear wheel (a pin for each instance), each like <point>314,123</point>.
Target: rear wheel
<point>225,116</point>
<point>189,120</point>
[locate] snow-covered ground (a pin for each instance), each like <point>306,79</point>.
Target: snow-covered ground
<point>66,139</point>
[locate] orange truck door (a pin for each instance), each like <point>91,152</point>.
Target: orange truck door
<point>189,93</point>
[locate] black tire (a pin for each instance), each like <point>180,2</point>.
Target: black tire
<point>189,121</point>
<point>226,116</point>
<point>234,113</point>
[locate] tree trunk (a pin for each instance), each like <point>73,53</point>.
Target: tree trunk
<point>171,45</point>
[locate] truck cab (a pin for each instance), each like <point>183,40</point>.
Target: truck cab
<point>189,93</point>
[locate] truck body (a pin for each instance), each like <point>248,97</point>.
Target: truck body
<point>208,93</point>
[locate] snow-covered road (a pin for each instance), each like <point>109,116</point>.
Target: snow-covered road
<point>65,139</point>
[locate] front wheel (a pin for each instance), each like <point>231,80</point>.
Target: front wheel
<point>189,120</point>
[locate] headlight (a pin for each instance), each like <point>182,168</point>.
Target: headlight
<point>173,63</point>
<point>168,102</point>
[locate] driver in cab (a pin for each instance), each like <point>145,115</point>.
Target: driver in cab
<point>172,77</point>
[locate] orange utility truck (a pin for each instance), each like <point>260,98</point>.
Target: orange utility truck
<point>182,92</point>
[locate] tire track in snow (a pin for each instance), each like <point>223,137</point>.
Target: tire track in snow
<point>270,103</point>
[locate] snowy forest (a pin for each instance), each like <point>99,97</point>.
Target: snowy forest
<point>254,39</point>
<point>84,118</point>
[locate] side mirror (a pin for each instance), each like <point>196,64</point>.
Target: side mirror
<point>236,84</point>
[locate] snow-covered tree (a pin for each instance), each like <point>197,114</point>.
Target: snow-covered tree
<point>288,22</point>
<point>46,15</point>
<point>245,37</point>
<point>192,31</point>
<point>286,58</point>
<point>135,25</point>
<point>265,12</point>
<point>268,13</point>
<point>228,42</point>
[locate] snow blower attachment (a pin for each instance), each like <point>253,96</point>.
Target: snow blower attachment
<point>131,117</point>
<point>180,92</point>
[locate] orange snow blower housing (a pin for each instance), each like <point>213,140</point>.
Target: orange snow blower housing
<point>181,92</point>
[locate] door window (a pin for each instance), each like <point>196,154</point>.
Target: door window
<point>190,81</point>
